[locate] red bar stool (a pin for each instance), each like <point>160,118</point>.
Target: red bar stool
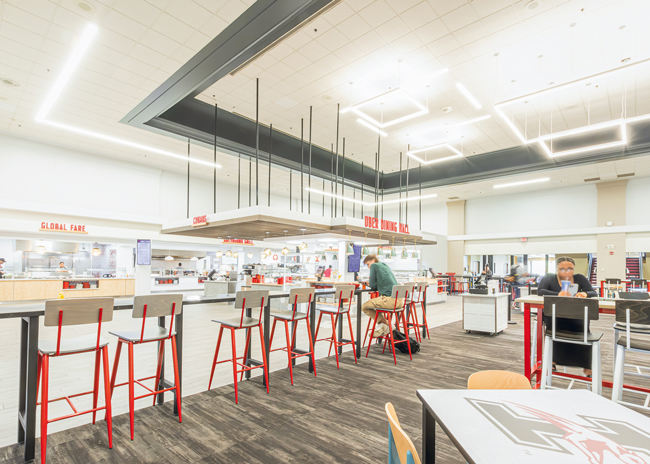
<point>75,312</point>
<point>418,298</point>
<point>246,300</point>
<point>388,314</point>
<point>296,296</point>
<point>344,294</point>
<point>145,306</point>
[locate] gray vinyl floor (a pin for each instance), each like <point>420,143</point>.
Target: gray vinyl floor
<point>336,417</point>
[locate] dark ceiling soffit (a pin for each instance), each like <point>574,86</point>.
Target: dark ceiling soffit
<point>258,27</point>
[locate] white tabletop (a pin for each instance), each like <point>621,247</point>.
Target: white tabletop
<point>540,427</point>
<point>489,295</point>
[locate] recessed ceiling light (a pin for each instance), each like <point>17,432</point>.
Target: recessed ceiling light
<point>540,56</point>
<point>9,82</point>
<point>625,60</point>
<point>533,5</point>
<point>513,184</point>
<point>573,24</point>
<point>446,109</point>
<point>513,81</point>
<point>85,6</point>
<point>497,54</point>
<point>551,83</point>
<point>621,27</point>
<point>327,97</point>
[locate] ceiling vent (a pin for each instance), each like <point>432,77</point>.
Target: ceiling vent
<point>593,179</point>
<point>453,198</point>
<point>629,174</point>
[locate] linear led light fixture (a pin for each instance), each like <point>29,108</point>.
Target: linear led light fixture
<point>524,182</point>
<point>581,130</point>
<point>468,95</point>
<point>355,109</point>
<point>445,127</point>
<point>71,65</point>
<point>371,127</point>
<point>365,203</point>
<point>456,154</point>
<point>498,108</point>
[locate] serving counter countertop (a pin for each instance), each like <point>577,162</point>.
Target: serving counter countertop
<point>43,289</point>
<point>68,279</point>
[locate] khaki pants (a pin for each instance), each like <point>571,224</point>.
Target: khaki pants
<point>383,302</point>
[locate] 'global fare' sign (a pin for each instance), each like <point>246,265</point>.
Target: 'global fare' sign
<point>383,224</point>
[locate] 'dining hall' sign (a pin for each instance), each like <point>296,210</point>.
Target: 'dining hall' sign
<point>238,241</point>
<point>383,224</point>
<point>200,221</point>
<point>63,227</point>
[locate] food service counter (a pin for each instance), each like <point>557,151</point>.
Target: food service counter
<point>45,289</point>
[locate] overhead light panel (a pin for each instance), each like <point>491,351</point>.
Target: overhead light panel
<point>524,182</point>
<point>457,154</point>
<point>357,109</point>
<point>371,127</point>
<point>468,95</point>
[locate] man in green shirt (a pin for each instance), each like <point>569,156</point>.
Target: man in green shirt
<point>382,281</point>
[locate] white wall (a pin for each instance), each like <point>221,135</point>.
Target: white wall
<point>636,199</point>
<point>567,208</point>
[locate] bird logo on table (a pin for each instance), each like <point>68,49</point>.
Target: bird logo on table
<point>601,441</point>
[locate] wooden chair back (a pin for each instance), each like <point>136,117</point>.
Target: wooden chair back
<point>497,380</point>
<point>160,305</point>
<point>639,312</point>
<point>632,295</point>
<point>251,299</point>
<point>570,307</point>
<point>398,441</point>
<point>78,311</point>
<point>301,295</point>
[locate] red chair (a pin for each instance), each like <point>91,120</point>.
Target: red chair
<point>246,300</point>
<point>399,291</point>
<point>343,295</point>
<point>146,306</point>
<point>296,296</point>
<point>418,298</point>
<point>75,312</point>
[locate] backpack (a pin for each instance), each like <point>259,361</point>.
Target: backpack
<point>415,346</point>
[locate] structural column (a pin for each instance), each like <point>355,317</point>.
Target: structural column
<point>611,247</point>
<point>455,226</point>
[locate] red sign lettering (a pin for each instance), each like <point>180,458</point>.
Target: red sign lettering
<point>239,241</point>
<point>383,224</point>
<point>199,220</point>
<point>62,227</point>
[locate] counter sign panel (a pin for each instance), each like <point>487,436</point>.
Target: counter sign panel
<point>63,227</point>
<point>200,221</point>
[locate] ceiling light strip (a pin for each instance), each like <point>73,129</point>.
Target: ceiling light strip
<point>80,49</point>
<point>524,182</point>
<point>386,202</point>
<point>71,65</point>
<point>371,127</point>
<point>468,95</point>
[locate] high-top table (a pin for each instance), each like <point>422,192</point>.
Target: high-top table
<point>30,313</point>
<point>534,427</point>
<point>535,369</point>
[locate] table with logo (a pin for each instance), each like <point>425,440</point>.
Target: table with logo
<point>533,426</point>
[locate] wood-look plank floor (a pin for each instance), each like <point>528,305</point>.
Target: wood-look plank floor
<point>336,417</point>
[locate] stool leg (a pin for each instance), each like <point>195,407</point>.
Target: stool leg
<point>248,341</point>
<point>177,378</point>
<point>131,389</point>
<point>547,364</point>
<point>98,354</point>
<point>216,354</point>
<point>596,382</point>
<point>333,321</point>
<point>320,317</point>
<point>118,351</point>
<point>354,347</point>
<point>45,374</point>
<point>424,320</point>
<point>619,372</point>
<point>234,363</point>
<point>107,397</point>
<point>272,333</point>
<point>264,360</point>
<point>416,324</point>
<point>392,337</point>
<point>289,349</point>
<point>408,341</point>
<point>374,324</point>
<point>39,361</point>
<point>161,356</point>
<point>367,329</point>
<point>311,345</point>
<point>333,340</point>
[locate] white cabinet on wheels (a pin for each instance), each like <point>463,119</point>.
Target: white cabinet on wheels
<point>485,313</point>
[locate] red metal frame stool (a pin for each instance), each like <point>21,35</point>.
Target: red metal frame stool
<point>413,322</point>
<point>296,296</point>
<point>246,301</point>
<point>168,304</point>
<point>388,315</point>
<point>75,312</point>
<point>344,293</point>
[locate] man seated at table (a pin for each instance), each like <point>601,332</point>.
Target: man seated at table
<point>381,280</point>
